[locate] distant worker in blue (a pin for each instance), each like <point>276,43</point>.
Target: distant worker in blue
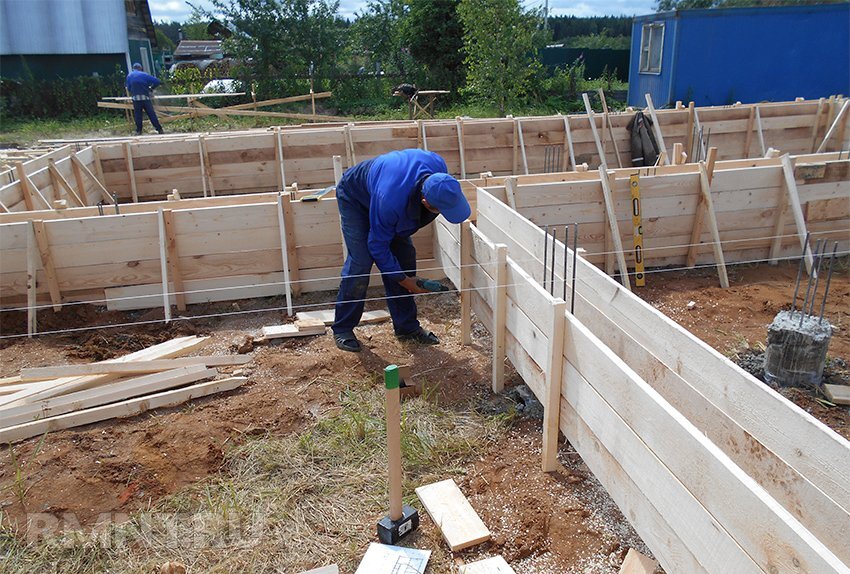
<point>139,86</point>
<point>382,202</point>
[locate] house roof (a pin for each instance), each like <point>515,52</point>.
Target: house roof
<point>198,48</point>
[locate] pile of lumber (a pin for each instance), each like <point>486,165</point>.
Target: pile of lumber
<point>46,399</point>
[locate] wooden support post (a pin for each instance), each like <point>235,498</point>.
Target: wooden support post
<point>568,145</point>
<point>760,132</point>
<point>522,146</point>
<point>278,154</point>
<point>209,168</point>
<point>60,181</point>
<point>292,254</point>
<point>779,224</point>
<point>749,133</point>
<point>202,163</point>
<point>337,163</point>
<point>98,169</point>
<point>678,150</point>
<point>131,173</point>
<point>842,128</point>
<point>43,242</point>
<point>424,136</point>
<point>163,264</point>
<point>500,313</point>
<point>284,252</point>
<point>460,146</point>
<point>104,193</point>
<point>515,142</point>
<point>816,125</point>
<point>603,163</point>
<point>554,374</point>
<point>607,121</point>
<point>699,213</point>
<point>614,228</point>
<point>659,136</point>
<point>349,144</point>
<point>690,133</point>
<point>796,208</point>
<point>510,191</point>
<point>701,152</point>
<point>466,264</point>
<point>32,283</point>
<point>393,413</point>
<point>705,190</point>
<point>838,121</point>
<point>26,186</point>
<point>174,270</point>
<point>81,183</point>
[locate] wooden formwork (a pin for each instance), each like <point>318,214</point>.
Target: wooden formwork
<point>260,161</point>
<point>716,472</point>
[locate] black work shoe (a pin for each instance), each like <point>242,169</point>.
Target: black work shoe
<point>160,131</point>
<point>420,336</point>
<point>347,342</point>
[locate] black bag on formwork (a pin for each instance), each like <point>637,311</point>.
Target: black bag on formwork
<point>644,146</point>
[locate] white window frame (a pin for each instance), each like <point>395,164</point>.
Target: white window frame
<point>646,48</point>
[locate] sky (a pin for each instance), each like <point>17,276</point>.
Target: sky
<point>178,10</point>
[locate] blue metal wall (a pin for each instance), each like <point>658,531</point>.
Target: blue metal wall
<point>720,56</point>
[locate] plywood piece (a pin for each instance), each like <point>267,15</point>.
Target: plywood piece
<point>128,367</point>
<point>495,565</point>
<point>637,563</point>
<point>326,316</point>
<point>123,409</point>
<point>453,515</point>
<point>838,394</point>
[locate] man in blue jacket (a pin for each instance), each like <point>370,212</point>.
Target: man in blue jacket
<point>139,86</point>
<point>382,202</point>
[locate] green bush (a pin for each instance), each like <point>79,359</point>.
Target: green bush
<point>58,98</point>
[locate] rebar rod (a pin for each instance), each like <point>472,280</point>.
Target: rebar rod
<point>545,252</point>
<point>552,270</point>
<point>828,279</point>
<point>817,278</point>
<point>575,256</point>
<point>566,242</point>
<point>808,287</point>
<point>800,271</point>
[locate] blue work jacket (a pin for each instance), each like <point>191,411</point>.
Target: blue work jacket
<point>140,84</point>
<point>389,188</point>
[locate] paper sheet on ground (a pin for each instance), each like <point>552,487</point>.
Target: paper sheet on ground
<point>383,559</point>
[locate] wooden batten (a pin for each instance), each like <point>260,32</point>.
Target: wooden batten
<point>131,172</point>
<point>174,272</point>
<point>163,262</point>
<point>207,166</point>
<point>607,120</point>
<point>656,127</point>
<point>284,251</point>
<point>705,194</point>
<point>460,146</point>
<point>796,209</point>
<point>281,170</point>
<point>614,228</point>
<point>292,253</point>
<point>43,242</point>
<point>522,146</point>
<point>499,331</point>
<point>32,293</point>
<point>600,149</point>
<point>689,144</point>
<point>60,182</point>
<point>466,263</point>
<point>554,376</point>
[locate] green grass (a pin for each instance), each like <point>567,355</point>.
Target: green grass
<point>282,504</point>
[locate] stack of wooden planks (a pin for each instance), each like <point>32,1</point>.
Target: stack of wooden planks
<point>46,399</point>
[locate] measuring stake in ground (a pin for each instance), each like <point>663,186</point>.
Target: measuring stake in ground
<point>637,225</point>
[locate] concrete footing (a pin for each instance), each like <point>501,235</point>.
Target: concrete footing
<point>796,353</point>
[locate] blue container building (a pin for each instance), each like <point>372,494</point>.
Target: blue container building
<point>725,55</point>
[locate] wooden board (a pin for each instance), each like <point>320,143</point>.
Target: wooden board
<point>637,563</point>
<point>453,515</point>
<point>119,410</point>
<point>838,394</point>
<point>292,330</point>
<point>129,367</point>
<point>495,565</point>
<point>332,569</point>
<point>327,316</point>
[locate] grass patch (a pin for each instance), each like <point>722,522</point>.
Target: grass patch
<point>281,504</point>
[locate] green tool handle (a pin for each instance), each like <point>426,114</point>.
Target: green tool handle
<point>431,285</point>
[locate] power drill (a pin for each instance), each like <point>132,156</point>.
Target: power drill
<point>431,285</point>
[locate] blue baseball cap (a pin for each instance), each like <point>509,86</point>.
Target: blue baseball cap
<point>443,193</point>
<point>137,66</point>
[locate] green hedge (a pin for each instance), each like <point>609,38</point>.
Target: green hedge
<point>58,98</point>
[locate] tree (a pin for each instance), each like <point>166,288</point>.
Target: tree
<point>376,36</point>
<point>434,34</point>
<point>163,42</point>
<point>280,40</point>
<point>665,5</point>
<point>501,43</point>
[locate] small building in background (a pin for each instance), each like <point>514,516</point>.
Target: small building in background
<point>725,55</point>
<point>71,38</point>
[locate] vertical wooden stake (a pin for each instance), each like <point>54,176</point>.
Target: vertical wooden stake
<point>163,265</point>
<point>760,132</point>
<point>690,133</point>
<point>614,228</point>
<point>43,242</point>
<point>32,270</point>
<point>281,172</point>
<point>500,312</point>
<point>510,191</point>
<point>131,173</point>
<point>337,161</point>
<point>284,253</point>
<point>607,121</point>
<point>749,133</point>
<point>349,144</point>
<point>203,167</point>
<point>460,146</point>
<point>515,141</point>
<point>603,162</point>
<point>466,264</point>
<point>393,409</point>
<point>816,125</point>
<point>678,150</point>
<point>554,374</point>
<point>796,208</point>
<point>292,254</point>
<point>656,127</point>
<point>209,167</point>
<point>424,136</point>
<point>522,146</point>
<point>705,190</point>
<point>174,270</point>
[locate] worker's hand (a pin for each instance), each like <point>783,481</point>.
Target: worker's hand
<point>409,283</point>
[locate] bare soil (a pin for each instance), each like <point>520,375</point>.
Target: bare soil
<point>563,522</point>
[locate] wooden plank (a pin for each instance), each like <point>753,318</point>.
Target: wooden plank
<point>284,251</point>
<point>466,269</point>
<point>607,120</point>
<point>163,265</point>
<point>838,394</point>
<point>760,131</point>
<point>656,127</point>
<point>453,515</point>
<point>43,241</point>
<point>637,563</point>
<point>603,162</point>
<point>123,409</point>
<point>32,287</point>
<point>130,367</point>
<point>460,146</point>
<point>522,146</point>
<point>206,165</point>
<point>717,246</point>
<point>499,330</point>
<point>326,316</point>
<point>281,171</point>
<point>293,330</point>
<point>510,191</point>
<point>614,228</point>
<point>796,208</point>
<point>113,392</point>
<point>749,134</point>
<point>294,280</point>
<point>131,172</point>
<point>494,565</point>
<point>552,400</point>
<point>175,274</point>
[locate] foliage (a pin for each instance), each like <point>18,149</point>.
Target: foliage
<point>501,43</point>
<point>665,5</point>
<point>599,41</point>
<point>376,38</point>
<point>564,27</point>
<point>163,42</point>
<point>434,34</point>
<point>282,39</point>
